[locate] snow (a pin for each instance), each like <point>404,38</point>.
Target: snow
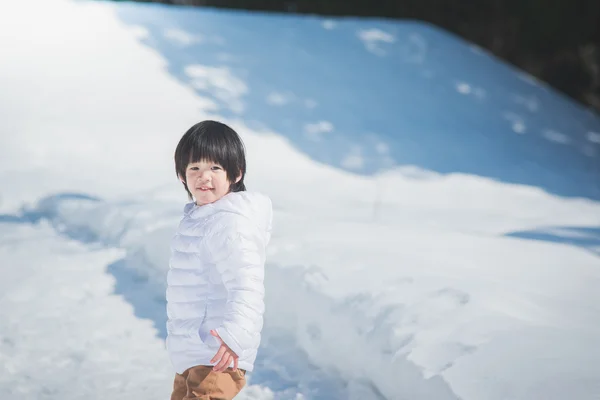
<point>64,333</point>
<point>436,220</point>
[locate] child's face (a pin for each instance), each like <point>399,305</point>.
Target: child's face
<point>207,181</point>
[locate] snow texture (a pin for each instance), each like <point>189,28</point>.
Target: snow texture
<point>437,212</point>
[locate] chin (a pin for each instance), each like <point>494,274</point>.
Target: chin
<point>203,199</point>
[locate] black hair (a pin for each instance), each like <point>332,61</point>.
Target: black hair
<point>214,142</point>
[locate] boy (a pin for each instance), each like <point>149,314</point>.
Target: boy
<point>215,290</point>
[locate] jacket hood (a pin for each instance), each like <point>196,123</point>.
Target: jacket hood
<point>252,205</point>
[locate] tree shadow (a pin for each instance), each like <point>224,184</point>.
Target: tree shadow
<point>369,95</point>
<point>146,297</point>
<point>587,238</point>
<point>48,208</point>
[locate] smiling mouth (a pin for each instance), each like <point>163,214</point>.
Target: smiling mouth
<point>204,189</point>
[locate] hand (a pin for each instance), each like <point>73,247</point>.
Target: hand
<point>225,356</point>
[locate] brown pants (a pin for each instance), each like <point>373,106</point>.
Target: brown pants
<point>201,383</point>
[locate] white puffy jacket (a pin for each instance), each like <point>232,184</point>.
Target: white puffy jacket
<point>215,280</point>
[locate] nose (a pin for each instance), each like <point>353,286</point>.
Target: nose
<point>204,176</point>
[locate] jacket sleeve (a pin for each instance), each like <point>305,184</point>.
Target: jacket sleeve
<point>240,263</point>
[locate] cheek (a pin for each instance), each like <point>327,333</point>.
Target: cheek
<point>224,185</point>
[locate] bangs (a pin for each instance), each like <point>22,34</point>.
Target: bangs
<point>211,147</point>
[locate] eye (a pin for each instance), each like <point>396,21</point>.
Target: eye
<point>216,168</point>
<point>194,168</point>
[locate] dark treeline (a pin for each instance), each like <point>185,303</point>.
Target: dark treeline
<point>557,41</point>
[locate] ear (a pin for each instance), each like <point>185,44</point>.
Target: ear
<point>181,179</point>
<point>239,178</point>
